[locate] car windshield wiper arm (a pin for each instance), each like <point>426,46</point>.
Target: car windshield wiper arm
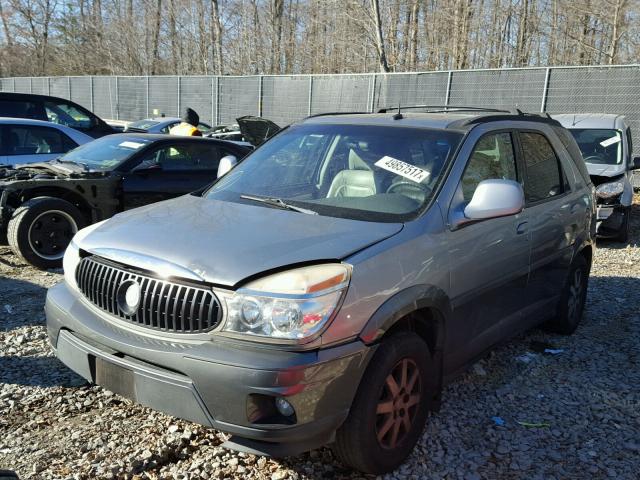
<point>278,202</point>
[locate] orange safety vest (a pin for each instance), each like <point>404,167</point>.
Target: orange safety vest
<point>185,130</point>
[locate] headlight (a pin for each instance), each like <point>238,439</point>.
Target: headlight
<point>291,306</point>
<point>70,263</point>
<point>71,257</point>
<point>610,190</point>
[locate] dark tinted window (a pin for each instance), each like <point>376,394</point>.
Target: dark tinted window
<point>629,141</point>
<point>21,109</point>
<point>574,151</point>
<point>492,158</point>
<point>29,140</point>
<point>184,157</point>
<point>544,177</point>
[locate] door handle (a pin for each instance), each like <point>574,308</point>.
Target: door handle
<point>522,227</point>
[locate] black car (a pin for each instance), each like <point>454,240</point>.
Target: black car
<point>42,205</point>
<point>53,109</point>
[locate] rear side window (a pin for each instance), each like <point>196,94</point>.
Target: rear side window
<point>544,177</point>
<point>30,140</point>
<point>574,151</point>
<point>21,109</point>
<point>492,158</point>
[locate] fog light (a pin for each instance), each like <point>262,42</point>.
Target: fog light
<point>284,407</point>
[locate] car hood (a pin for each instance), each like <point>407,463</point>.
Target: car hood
<point>257,130</point>
<point>605,170</point>
<point>225,242</point>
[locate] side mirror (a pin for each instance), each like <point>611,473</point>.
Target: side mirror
<point>495,198</point>
<point>635,163</point>
<point>226,164</point>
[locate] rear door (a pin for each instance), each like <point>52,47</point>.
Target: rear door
<point>554,212</point>
<point>170,171</point>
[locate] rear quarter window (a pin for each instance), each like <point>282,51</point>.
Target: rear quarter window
<point>570,144</point>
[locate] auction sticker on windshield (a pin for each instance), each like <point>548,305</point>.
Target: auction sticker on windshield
<point>134,145</point>
<point>401,168</point>
<point>610,141</point>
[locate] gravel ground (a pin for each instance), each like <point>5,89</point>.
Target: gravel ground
<point>520,413</point>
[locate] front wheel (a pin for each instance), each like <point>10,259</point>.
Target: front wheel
<point>390,408</point>
<point>41,228</point>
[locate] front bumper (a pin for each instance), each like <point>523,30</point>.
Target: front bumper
<point>212,382</point>
<point>610,219</point>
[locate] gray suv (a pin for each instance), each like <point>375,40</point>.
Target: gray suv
<point>324,289</point>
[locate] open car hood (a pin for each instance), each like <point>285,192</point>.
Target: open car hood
<point>257,130</point>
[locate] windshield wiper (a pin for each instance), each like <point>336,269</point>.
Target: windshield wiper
<point>278,202</point>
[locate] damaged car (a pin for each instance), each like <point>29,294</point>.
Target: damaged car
<point>248,130</point>
<point>606,145</point>
<point>43,205</point>
<point>326,289</point>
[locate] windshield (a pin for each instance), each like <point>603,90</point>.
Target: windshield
<point>105,153</point>
<point>143,124</point>
<point>362,172</point>
<point>599,146</point>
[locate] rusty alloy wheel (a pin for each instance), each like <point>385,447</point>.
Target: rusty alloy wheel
<point>398,403</point>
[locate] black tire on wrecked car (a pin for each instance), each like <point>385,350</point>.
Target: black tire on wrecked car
<point>623,234</point>
<point>41,228</point>
<point>388,414</point>
<point>572,299</point>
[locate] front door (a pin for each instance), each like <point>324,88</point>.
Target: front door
<point>489,259</point>
<point>170,171</point>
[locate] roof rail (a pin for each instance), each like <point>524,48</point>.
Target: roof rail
<point>447,108</point>
<point>328,114</point>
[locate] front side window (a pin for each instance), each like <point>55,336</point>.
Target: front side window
<point>492,158</point>
<point>184,158</point>
<point>30,140</point>
<point>67,114</point>
<point>544,178</point>
<point>599,146</point>
<point>363,172</point>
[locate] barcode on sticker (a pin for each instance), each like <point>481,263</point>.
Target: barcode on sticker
<point>402,168</point>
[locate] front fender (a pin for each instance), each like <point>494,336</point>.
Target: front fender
<point>402,304</point>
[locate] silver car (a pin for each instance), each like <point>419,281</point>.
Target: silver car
<point>607,148</point>
<point>25,141</point>
<point>325,289</point>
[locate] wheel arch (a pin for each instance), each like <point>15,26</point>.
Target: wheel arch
<point>60,193</point>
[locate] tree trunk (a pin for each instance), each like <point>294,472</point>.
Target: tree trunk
<point>216,36</point>
<point>156,38</point>
<point>382,57</point>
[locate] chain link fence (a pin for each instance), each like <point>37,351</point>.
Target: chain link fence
<point>284,99</point>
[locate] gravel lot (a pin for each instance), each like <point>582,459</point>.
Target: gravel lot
<point>582,403</point>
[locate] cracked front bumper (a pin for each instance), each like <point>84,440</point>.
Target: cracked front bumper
<point>211,382</point>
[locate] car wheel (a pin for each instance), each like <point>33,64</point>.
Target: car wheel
<point>572,299</point>
<point>390,408</point>
<point>623,235</point>
<point>41,228</point>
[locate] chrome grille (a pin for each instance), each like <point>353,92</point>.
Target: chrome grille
<point>164,305</point>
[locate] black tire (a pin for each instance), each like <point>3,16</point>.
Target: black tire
<point>573,298</point>
<point>41,228</point>
<point>623,234</point>
<point>358,443</point>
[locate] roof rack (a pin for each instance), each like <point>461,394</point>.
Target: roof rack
<point>448,108</point>
<point>329,114</point>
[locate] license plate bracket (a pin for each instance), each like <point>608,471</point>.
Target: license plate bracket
<point>115,378</point>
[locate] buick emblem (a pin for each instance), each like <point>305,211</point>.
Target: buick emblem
<point>128,297</point>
